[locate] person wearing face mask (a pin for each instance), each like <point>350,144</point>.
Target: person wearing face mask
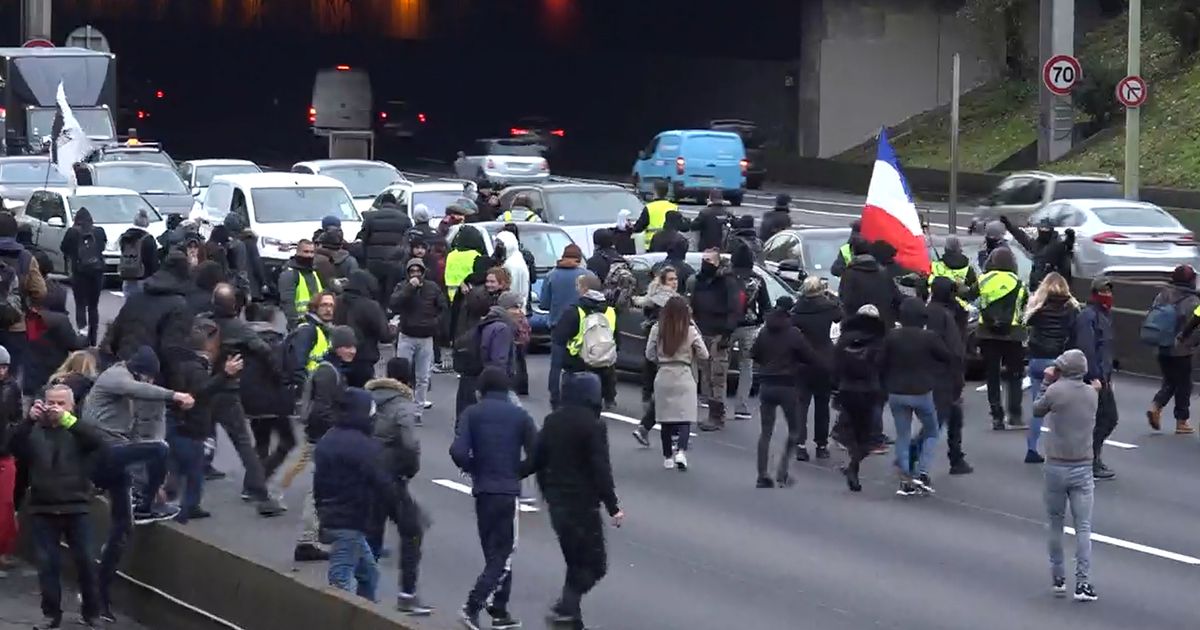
<point>993,237</point>
<point>298,282</point>
<point>716,307</point>
<point>1094,336</point>
<point>1049,251</point>
<point>953,264</point>
<point>1001,334</point>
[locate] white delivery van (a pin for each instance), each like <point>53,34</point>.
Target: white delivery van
<point>341,100</point>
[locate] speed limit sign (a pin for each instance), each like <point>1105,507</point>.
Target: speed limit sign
<point>1060,74</point>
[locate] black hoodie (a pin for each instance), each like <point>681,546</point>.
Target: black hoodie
<point>913,358</point>
<point>865,282</point>
<point>756,302</point>
<point>861,336</point>
<point>774,222</point>
<point>604,255</point>
<point>208,275</point>
<point>51,338</point>
<point>673,224</point>
<point>70,243</point>
<point>157,316</point>
<point>716,300</point>
<point>358,309</point>
<point>781,352</point>
<point>570,456</point>
<point>146,243</point>
<point>948,320</point>
<point>814,315</point>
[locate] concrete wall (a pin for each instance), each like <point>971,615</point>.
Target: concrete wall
<point>882,61</point>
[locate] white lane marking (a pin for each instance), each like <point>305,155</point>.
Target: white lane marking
<point>465,489</point>
<point>1146,549</point>
<point>119,294</point>
<point>627,420</point>
<point>1112,443</point>
<point>1024,385</point>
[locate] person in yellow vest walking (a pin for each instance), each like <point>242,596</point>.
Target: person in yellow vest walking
<point>298,282</point>
<point>569,334</point>
<point>654,214</point>
<point>955,265</point>
<point>846,251</point>
<point>1001,335</point>
<point>520,213</point>
<point>460,261</point>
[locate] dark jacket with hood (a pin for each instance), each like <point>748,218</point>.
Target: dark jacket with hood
<point>782,354</point>
<point>33,282</point>
<point>743,236</point>
<point>264,391</point>
<point>676,259</point>
<point>73,235</point>
<point>246,259</point>
<point>1052,328</point>
<point>568,326</point>
<point>382,230</point>
<point>716,300</point>
<point>293,272</point>
<point>238,258</point>
<point>673,225</point>
<point>1094,336</point>
<point>396,415</point>
<point>334,263</point>
<point>866,282</point>
<point>815,315</point>
<point>157,316</point>
<point>497,341</point>
<point>946,318</point>
<point>1050,252</point>
<point>326,391</point>
<point>710,225</point>
<point>11,412</point>
<point>238,337</point>
<point>146,243</point>
<point>913,357</point>
<point>208,275</point>
<point>58,465</point>
<point>420,308</point>
<point>774,222</point>
<point>861,335</point>
<point>1186,301</point>
<point>756,302</point>
<point>604,255</point>
<point>51,338</point>
<point>358,309</point>
<point>996,319</point>
<point>571,454</point>
<point>492,434</point>
<point>195,375</point>
<point>349,480</point>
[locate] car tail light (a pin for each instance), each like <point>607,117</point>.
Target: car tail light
<point>517,131</point>
<point>680,165</point>
<point>491,163</point>
<point>1186,239</point>
<point>745,164</point>
<point>312,115</point>
<point>342,67</point>
<point>382,115</point>
<point>159,94</point>
<point>421,118</point>
<point>558,132</point>
<point>1111,238</point>
<point>141,115</point>
<point>3,112</point>
<point>545,165</point>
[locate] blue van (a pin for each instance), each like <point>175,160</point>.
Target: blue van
<point>693,162</point>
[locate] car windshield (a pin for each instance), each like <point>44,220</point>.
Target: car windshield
<point>114,208</point>
<point>364,181</point>
<point>96,123</point>
<point>510,147</point>
<point>1088,189</point>
<point>297,203</point>
<point>205,174</point>
<point>157,157</point>
<point>819,255</point>
<point>31,172</point>
<point>1136,216</point>
<point>588,207</point>
<point>545,245</point>
<point>436,201</point>
<point>148,179</point>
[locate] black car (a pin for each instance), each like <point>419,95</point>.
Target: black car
<point>755,143</point>
<point>797,253</point>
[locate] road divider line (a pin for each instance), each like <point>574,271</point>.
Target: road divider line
<point>627,420</point>
<point>1132,546</point>
<point>465,489</point>
<point>119,294</point>
<point>1024,385</point>
<point>1112,443</point>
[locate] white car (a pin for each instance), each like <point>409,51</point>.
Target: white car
<point>434,194</point>
<point>281,208</point>
<point>50,211</point>
<point>363,178</point>
<point>198,174</point>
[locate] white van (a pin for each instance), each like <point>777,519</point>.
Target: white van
<point>341,100</point>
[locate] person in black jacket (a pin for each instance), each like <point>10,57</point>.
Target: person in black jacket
<point>778,219</point>
<point>570,459</point>
<point>157,316</point>
<point>83,251</point>
<point>676,259</point>
<point>246,259</point>
<point>56,449</point>
<point>673,227</point>
<point>420,304</point>
<point>859,383</point>
<point>1094,336</point>
<point>358,309</point>
<point>623,234</point>
<point>815,313</point>
<point>847,252</point>
<point>265,396</point>
<point>716,308</point>
<point>1050,318</point>
<point>604,254</point>
<point>208,275</point>
<point>1050,252</point>
<point>782,354</point>
<point>865,281</point>
<point>752,313</point>
<point>382,231</point>
<point>948,319</point>
<point>711,223</point>
<point>51,337</point>
<point>912,359</point>
<point>140,243</point>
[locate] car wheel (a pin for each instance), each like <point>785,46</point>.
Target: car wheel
<point>735,199</point>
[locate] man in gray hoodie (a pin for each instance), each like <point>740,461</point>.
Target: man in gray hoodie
<point>1069,408</point>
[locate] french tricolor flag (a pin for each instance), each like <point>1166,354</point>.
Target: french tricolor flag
<point>890,214</point>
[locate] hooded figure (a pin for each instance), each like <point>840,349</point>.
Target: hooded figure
<point>332,260</point>
<point>993,237</point>
<point>955,265</point>
<point>246,259</point>
<point>157,316</point>
<point>1049,251</point>
<point>358,309</point>
<point>778,219</point>
<point>604,254</point>
<point>515,265</point>
<point>866,282</point>
<point>138,240</point>
<point>428,234</point>
<point>948,320</point>
<point>783,357</point>
<point>623,234</point>
<point>673,225</point>
<point>744,236</point>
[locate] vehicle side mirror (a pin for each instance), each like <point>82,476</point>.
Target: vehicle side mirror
<point>56,222</point>
<point>792,271</point>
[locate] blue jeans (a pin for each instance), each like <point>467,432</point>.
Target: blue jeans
<point>188,457</point>
<point>112,476</point>
<point>557,354</point>
<point>352,565</point>
<point>903,407</point>
<point>1072,485</point>
<point>47,531</point>
<point>1036,388</point>
<point>419,351</point>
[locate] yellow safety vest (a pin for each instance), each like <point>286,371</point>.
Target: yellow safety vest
<point>657,210</point>
<point>846,252</point>
<point>576,342</point>
<point>459,264</point>
<point>996,285</point>
<point>959,276</point>
<point>319,350</point>
<point>530,217</point>
<point>303,294</point>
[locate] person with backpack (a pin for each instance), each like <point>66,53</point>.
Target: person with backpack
<point>1172,308</point>
<point>743,235</point>
<point>1094,336</point>
<point>358,309</point>
<point>51,337</point>
<point>266,399</point>
<point>1050,318</point>
<point>1001,335</point>
<point>716,306</point>
<point>754,303</point>
<point>815,312</point>
<point>298,282</point>
<point>419,303</point>
<point>558,295</point>
<point>83,247</point>
<point>604,254</point>
<point>588,333</point>
<point>139,254</point>
<point>21,281</point>
<point>675,344</point>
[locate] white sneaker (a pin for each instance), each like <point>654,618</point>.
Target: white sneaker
<point>428,404</point>
<point>669,463</point>
<point>681,461</point>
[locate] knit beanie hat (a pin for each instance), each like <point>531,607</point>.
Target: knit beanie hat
<point>143,362</point>
<point>343,337</point>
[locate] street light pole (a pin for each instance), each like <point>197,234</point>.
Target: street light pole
<point>954,114</point>
<point>1133,114</point>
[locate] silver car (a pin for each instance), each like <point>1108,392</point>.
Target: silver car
<point>499,162</point>
<point>1117,235</point>
<point>1021,194</point>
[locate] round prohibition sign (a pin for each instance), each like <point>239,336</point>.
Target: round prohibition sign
<point>1132,91</point>
<point>1061,73</point>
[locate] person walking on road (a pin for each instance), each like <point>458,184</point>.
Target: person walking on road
<point>488,444</point>
<point>778,219</point>
<point>51,337</point>
<point>139,254</point>
<point>948,320</point>
<point>865,281</point>
<point>298,282</point>
<point>1001,335</point>
<point>654,215</point>
<point>1069,406</point>
<point>559,294</point>
<point>573,470</point>
<point>716,306</point>
<point>83,246</point>
<point>358,309</point>
<point>1050,318</point>
<point>675,344</point>
<point>266,398</point>
<point>1175,361</point>
<point>420,304</point>
<point>753,308</point>
<point>858,381</point>
<point>782,354</point>
<point>815,312</point>
<point>571,333</point>
<point>712,222</point>
<point>1094,336</point>
<point>26,285</point>
<point>56,449</point>
<point>664,287</point>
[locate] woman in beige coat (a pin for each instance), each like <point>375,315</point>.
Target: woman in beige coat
<point>675,344</point>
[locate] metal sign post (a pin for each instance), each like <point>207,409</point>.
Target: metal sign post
<point>1133,120</point>
<point>952,212</point>
<point>1060,74</point>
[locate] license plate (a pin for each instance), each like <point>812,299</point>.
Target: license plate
<point>1154,247</point>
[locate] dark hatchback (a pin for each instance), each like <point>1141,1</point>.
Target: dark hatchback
<point>755,143</point>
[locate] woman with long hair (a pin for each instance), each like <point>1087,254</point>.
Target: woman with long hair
<point>1050,317</point>
<point>664,287</point>
<point>675,344</point>
<point>78,372</point>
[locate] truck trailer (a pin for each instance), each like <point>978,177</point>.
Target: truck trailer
<point>29,79</point>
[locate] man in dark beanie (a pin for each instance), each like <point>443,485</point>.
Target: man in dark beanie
<point>21,282</point>
<point>710,224</point>
<point>778,219</point>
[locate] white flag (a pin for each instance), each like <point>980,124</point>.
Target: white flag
<point>69,144</point>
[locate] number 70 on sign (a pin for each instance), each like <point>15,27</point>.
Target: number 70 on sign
<point>1060,74</point>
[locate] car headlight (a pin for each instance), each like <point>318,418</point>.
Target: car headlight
<point>277,243</point>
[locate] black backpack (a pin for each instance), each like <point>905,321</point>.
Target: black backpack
<point>12,302</point>
<point>859,361</point>
<point>90,255</point>
<point>467,358</point>
<point>131,265</point>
